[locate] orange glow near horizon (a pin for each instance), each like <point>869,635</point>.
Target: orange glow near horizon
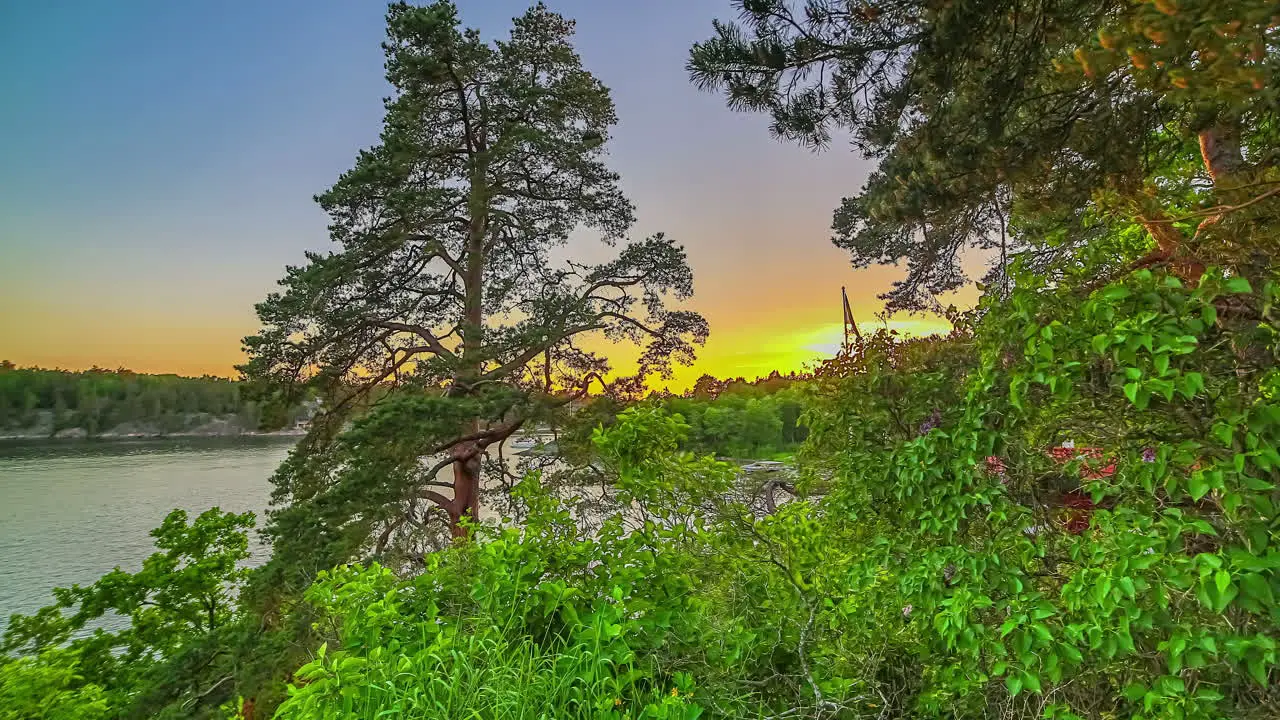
<point>161,345</point>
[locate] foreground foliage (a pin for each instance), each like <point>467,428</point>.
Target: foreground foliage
<point>1093,525</point>
<point>102,650</point>
<point>1066,510</point>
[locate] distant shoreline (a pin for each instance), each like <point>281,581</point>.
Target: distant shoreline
<point>118,437</point>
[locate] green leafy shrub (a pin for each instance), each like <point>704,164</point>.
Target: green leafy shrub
<point>178,608</point>
<point>48,687</point>
<point>1093,523</point>
<point>530,622</point>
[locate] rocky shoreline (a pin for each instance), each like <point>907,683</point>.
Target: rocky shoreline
<point>189,427</point>
<point>70,436</point>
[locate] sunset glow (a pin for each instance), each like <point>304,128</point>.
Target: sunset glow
<point>144,218</point>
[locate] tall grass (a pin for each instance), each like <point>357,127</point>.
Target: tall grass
<point>481,676</point>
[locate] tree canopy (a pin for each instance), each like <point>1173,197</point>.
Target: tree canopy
<point>1068,109</point>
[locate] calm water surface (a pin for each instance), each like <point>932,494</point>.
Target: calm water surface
<point>71,511</point>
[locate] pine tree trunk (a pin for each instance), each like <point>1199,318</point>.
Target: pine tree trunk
<point>466,466</point>
<point>1223,159</point>
<point>466,489</point>
<point>1168,239</point>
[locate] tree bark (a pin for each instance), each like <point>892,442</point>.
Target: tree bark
<point>466,465</point>
<point>466,487</point>
<point>1220,149</point>
<point>1223,158</point>
<point>1168,240</point>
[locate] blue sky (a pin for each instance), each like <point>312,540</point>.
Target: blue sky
<point>158,160</point>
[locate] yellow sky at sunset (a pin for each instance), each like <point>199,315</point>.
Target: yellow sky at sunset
<point>750,339</point>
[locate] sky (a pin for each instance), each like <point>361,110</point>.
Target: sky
<point>158,162</point>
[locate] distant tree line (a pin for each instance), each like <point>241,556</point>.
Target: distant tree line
<point>733,417</point>
<point>98,399</point>
<point>743,419</point>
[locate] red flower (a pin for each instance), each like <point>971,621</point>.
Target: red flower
<point>1089,473</point>
<point>1077,518</point>
<point>995,465</point>
<point>1065,454</point>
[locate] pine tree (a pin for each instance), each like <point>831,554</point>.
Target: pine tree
<point>442,322</point>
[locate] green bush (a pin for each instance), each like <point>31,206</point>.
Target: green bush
<point>1093,524</point>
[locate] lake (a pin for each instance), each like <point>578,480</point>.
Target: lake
<point>72,511</point>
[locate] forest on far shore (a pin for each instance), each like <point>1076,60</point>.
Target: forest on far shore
<point>38,402</point>
<point>730,417</point>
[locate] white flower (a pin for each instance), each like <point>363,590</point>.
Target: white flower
<point>1069,444</point>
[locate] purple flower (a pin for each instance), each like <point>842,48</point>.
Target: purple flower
<point>934,421</point>
<point>1148,455</point>
<point>906,611</point>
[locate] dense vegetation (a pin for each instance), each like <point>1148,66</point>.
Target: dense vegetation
<point>99,400</point>
<point>732,418</point>
<point>1067,508</point>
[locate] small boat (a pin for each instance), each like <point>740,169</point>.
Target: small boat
<point>523,443</point>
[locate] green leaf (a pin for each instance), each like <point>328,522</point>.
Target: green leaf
<point>1014,683</point>
<point>1257,671</point>
<point>1225,596</point>
<point>1197,486</point>
<point>1209,559</point>
<point>1257,587</point>
<point>1131,392</point>
<point>1161,363</point>
<point>1192,383</point>
<point>1208,694</point>
<point>1126,585</point>
<point>1071,653</point>
<point>1209,314</point>
<point>1116,292</point>
<point>1238,285</point>
<point>1224,433</point>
